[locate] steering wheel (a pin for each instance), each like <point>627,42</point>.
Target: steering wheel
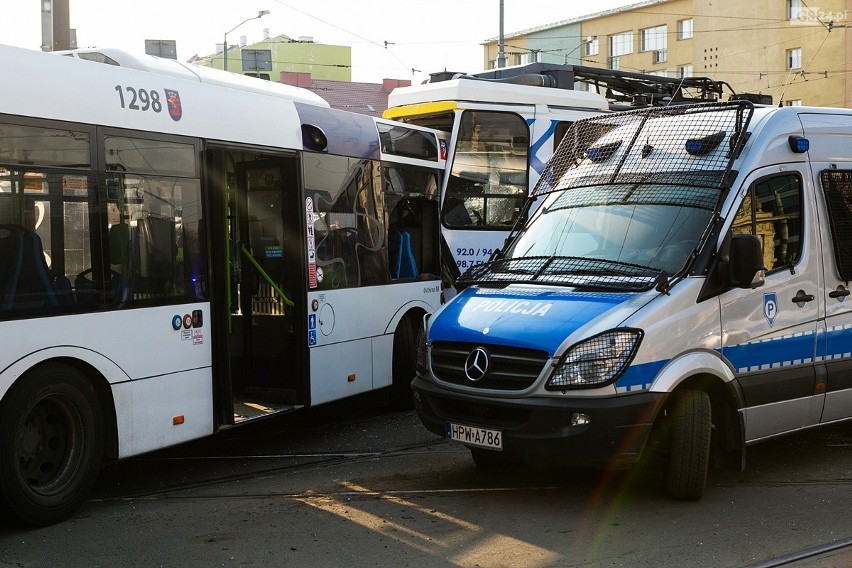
<point>84,286</point>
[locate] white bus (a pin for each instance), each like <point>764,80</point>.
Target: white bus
<point>183,250</point>
<point>505,124</point>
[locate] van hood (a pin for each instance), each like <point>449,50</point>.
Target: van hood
<point>534,319</point>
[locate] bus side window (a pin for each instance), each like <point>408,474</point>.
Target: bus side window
<point>413,217</point>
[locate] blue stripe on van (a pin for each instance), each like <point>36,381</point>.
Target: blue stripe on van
<point>639,377</point>
<point>774,353</point>
<point>838,342</point>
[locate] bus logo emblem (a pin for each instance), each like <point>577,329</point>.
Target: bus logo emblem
<point>476,364</point>
<point>173,102</point>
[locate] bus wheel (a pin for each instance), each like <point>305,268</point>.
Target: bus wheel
<point>51,444</point>
<point>689,456</point>
<point>404,365</point>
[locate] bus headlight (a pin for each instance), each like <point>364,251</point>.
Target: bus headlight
<point>596,361</point>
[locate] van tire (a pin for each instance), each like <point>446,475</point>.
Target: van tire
<point>51,444</point>
<point>689,456</point>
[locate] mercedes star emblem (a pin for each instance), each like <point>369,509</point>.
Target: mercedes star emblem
<point>476,364</point>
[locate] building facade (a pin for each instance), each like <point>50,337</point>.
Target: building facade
<point>273,55</point>
<point>791,50</point>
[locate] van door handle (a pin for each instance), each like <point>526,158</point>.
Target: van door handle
<point>841,292</point>
<point>801,297</point>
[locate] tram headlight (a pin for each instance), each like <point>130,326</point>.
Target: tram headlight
<point>596,361</point>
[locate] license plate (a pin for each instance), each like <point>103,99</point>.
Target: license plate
<point>473,436</point>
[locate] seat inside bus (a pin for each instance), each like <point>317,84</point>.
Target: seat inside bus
<point>25,280</point>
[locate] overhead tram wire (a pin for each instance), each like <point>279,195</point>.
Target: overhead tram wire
<point>383,45</point>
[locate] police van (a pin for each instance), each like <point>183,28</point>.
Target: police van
<point>682,286</point>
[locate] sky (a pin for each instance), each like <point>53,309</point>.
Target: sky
<point>422,36</point>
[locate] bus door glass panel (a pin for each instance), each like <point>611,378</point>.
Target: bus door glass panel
<point>154,221</point>
<point>265,223</point>
<point>44,216</point>
<point>349,221</point>
<point>487,185</point>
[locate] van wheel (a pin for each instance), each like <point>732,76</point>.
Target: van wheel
<point>404,365</point>
<point>51,444</point>
<point>689,457</point>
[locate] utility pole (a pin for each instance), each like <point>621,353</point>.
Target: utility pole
<point>55,25</point>
<point>501,48</point>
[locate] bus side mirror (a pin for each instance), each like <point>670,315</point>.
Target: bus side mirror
<point>746,262</point>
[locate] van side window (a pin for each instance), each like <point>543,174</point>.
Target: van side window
<point>772,211</point>
<point>837,187</point>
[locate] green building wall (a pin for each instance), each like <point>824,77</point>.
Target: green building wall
<point>322,61</point>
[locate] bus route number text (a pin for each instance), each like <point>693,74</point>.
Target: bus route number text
<point>473,256</point>
<point>139,99</point>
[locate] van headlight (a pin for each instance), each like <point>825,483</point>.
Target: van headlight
<point>596,361</point>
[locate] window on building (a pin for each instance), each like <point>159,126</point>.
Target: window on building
<point>794,9</point>
<point>590,46</point>
<point>528,57</point>
<point>684,71</point>
<point>684,29</point>
<point>794,103</point>
<point>653,39</point>
<point>794,58</point>
<point>620,44</point>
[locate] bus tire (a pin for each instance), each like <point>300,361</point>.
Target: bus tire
<point>51,444</point>
<point>404,365</point>
<point>689,456</point>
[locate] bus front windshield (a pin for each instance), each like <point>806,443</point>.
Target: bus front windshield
<point>487,185</point>
<point>652,226</point>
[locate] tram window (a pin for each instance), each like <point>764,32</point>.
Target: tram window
<point>488,180</point>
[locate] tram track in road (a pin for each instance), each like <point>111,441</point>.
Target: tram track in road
<point>812,553</point>
<point>304,461</point>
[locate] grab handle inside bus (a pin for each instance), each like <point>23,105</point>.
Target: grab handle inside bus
<point>266,277</point>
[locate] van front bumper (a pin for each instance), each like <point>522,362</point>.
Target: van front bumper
<point>540,430</point>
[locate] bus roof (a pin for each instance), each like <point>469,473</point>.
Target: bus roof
<point>208,75</point>
<point>473,90</point>
<point>76,91</point>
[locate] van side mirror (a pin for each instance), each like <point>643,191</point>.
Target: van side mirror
<point>746,262</point>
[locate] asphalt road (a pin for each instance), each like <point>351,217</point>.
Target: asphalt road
<point>354,486</point>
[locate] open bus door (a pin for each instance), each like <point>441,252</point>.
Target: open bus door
<point>267,343</point>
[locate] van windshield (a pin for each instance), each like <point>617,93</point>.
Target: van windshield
<point>622,236</point>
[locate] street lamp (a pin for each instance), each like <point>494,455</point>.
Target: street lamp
<point>260,14</point>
